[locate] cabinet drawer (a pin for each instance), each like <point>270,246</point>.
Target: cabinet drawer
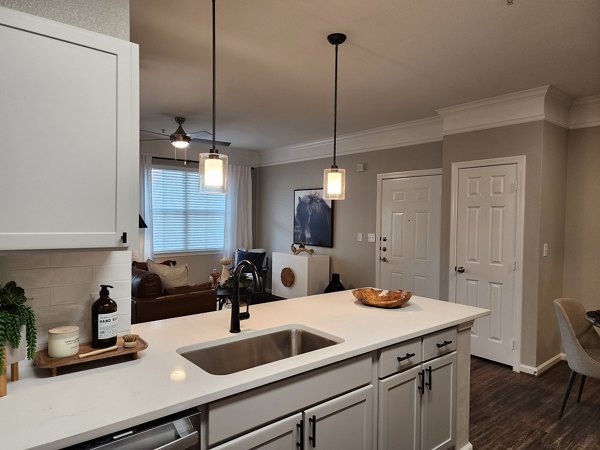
<point>439,343</point>
<point>388,357</point>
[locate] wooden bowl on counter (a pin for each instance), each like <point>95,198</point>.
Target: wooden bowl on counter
<point>374,297</point>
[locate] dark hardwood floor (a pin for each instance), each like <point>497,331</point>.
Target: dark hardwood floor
<point>517,411</point>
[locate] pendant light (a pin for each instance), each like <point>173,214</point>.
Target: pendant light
<point>213,165</point>
<point>334,178</point>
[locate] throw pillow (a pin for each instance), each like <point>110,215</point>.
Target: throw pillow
<point>169,276</point>
<point>254,257</point>
<point>187,289</point>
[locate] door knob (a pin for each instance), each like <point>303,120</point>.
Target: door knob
<point>384,259</point>
<point>460,269</point>
<point>384,239</point>
<point>383,249</point>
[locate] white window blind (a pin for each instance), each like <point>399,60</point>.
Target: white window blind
<point>183,218</point>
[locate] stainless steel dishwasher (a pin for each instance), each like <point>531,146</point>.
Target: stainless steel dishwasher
<point>176,432</point>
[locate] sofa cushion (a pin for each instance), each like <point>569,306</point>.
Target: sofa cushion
<point>187,289</point>
<point>169,276</point>
<point>145,284</point>
<point>257,258</point>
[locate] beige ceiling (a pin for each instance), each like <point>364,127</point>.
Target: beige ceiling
<point>403,60</point>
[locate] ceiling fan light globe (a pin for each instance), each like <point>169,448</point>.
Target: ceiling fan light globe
<point>179,141</point>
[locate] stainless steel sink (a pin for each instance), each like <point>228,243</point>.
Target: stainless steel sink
<point>230,356</point>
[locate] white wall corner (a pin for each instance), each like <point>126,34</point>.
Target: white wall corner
<point>585,112</point>
<point>557,105</point>
<point>391,136</point>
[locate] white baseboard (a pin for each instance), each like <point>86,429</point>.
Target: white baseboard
<point>467,446</point>
<point>544,366</point>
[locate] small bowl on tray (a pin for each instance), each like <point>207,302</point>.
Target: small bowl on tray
<point>380,298</point>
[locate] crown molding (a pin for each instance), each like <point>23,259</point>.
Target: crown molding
<point>585,112</point>
<point>392,136</point>
<point>541,103</point>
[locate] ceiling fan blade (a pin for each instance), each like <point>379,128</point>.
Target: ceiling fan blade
<point>201,132</point>
<point>154,132</point>
<point>209,141</point>
<point>153,139</point>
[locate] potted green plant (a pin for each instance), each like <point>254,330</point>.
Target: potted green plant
<point>14,315</point>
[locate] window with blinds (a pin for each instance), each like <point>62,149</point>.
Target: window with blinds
<point>183,218</point>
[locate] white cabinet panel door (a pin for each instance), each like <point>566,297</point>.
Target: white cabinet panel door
<point>410,234</point>
<point>400,411</point>
<point>486,255</point>
<point>345,422</point>
<point>282,435</point>
<point>68,126</point>
<point>438,408</point>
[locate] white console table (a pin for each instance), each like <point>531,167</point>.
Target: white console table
<point>311,274</point>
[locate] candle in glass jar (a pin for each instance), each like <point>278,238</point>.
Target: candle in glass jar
<point>63,341</point>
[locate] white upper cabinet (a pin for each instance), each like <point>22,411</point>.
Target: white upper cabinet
<point>69,145</point>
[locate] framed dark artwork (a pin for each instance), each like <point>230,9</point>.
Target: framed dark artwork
<point>313,218</point>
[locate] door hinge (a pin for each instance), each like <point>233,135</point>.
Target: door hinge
<point>512,344</point>
<point>515,186</point>
<point>515,266</point>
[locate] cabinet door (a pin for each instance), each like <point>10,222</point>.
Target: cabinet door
<point>68,127</point>
<point>345,422</point>
<point>400,411</point>
<point>438,407</point>
<point>282,435</point>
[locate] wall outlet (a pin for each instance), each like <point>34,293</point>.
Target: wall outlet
<point>371,237</point>
<point>359,237</point>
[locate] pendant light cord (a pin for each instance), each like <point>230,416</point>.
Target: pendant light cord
<point>214,79</point>
<point>335,97</point>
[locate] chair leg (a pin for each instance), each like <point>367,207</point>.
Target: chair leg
<point>566,397</point>
<point>583,377</point>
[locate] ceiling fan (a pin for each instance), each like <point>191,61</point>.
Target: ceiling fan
<point>180,139</point>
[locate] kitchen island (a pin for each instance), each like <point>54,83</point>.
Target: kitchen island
<point>53,412</point>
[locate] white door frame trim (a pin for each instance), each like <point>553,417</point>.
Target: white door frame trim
<point>389,176</point>
<point>520,222</point>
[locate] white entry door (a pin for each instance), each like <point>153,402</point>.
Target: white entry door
<point>409,254</point>
<point>486,214</point>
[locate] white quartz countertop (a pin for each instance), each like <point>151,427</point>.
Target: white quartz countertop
<point>53,412</point>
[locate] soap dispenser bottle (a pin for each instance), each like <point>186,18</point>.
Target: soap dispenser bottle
<point>104,320</point>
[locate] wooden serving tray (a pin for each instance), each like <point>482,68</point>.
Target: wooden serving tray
<point>46,362</point>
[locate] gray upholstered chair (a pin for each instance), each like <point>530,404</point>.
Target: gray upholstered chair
<point>581,343</point>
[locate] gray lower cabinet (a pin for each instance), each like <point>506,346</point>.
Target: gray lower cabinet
<point>344,422</point>
<point>417,407</point>
<point>282,435</point>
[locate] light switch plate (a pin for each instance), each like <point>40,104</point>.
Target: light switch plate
<point>359,237</point>
<point>545,249</point>
<point>371,237</point>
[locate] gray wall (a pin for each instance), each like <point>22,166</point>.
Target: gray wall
<point>524,139</point>
<point>355,261</point>
<point>582,243</point>
<point>552,232</point>
<point>109,17</point>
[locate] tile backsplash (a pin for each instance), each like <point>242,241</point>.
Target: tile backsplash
<point>62,285</point>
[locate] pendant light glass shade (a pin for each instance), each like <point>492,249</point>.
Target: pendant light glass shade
<point>213,165</point>
<point>334,184</point>
<point>334,178</point>
<point>213,173</point>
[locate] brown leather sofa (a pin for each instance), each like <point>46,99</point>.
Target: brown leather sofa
<point>150,302</point>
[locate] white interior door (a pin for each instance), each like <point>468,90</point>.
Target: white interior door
<point>486,214</point>
<point>409,256</point>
